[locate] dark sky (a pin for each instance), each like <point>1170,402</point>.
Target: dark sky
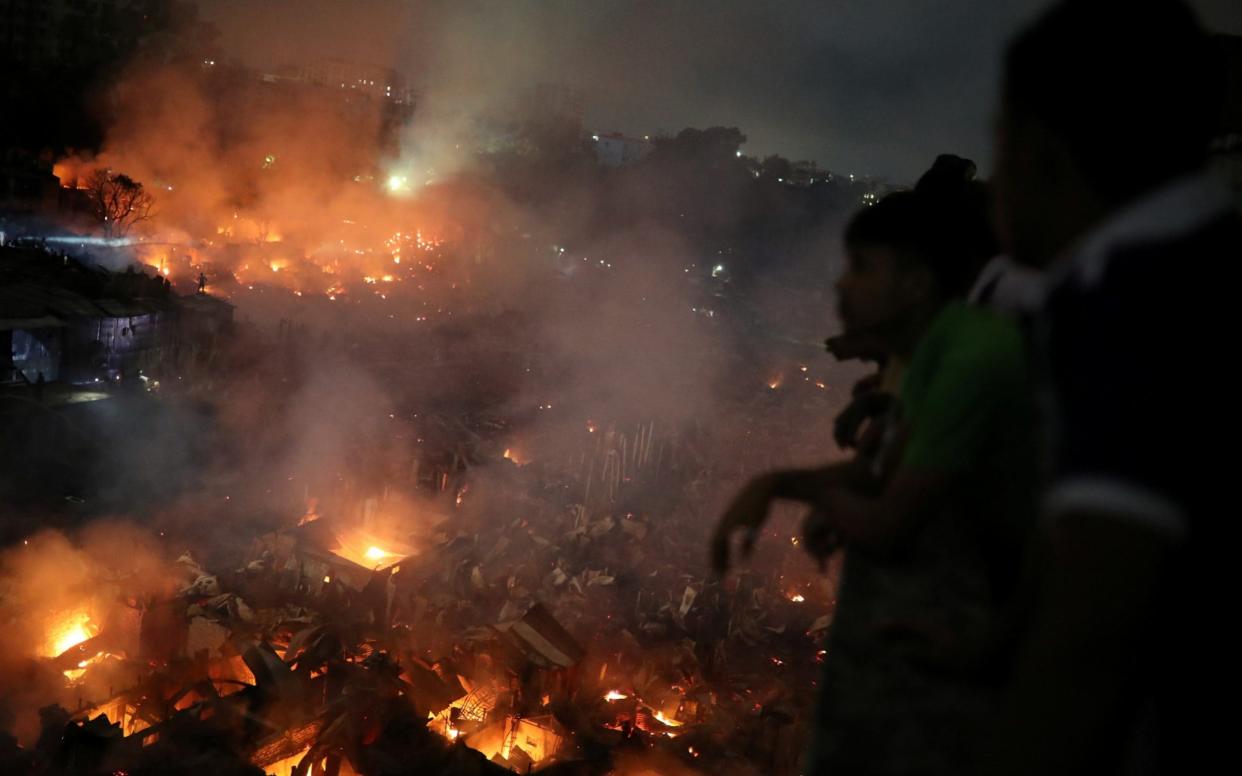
<point>862,86</point>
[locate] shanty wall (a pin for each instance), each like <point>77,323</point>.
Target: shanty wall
<point>118,345</point>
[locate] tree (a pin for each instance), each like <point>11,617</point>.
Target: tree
<point>118,201</point>
<point>713,147</point>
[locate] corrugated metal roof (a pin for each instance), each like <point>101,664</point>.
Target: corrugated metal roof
<point>28,324</point>
<point>35,300</point>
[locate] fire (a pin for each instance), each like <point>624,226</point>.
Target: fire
<point>615,695</point>
<point>775,382</point>
<point>67,633</point>
<point>797,598</point>
<point>371,550</point>
<point>667,720</point>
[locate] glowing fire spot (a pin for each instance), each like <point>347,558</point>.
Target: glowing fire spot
<point>797,598</point>
<point>667,720</point>
<point>615,695</point>
<point>775,382</point>
<point>375,553</point>
<point>68,633</point>
<point>508,454</point>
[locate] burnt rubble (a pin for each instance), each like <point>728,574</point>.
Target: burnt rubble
<point>565,637</point>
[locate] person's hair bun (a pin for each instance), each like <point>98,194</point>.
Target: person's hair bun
<point>949,174</point>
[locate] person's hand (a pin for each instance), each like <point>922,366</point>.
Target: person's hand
<point>819,536</point>
<point>745,516</point>
<point>862,412</point>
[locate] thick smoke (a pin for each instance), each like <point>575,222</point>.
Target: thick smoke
<point>533,303</point>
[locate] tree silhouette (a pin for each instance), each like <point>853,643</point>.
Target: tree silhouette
<point>118,201</point>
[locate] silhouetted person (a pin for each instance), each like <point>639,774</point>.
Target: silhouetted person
<point>933,521</point>
<point>202,283</point>
<point>1107,110</point>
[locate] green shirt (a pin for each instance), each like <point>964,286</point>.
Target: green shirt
<point>905,678</point>
<point>966,381</point>
<point>968,412</point>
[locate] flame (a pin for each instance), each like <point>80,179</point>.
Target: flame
<point>286,766</point>
<point>797,598</point>
<point>371,550</point>
<point>667,720</point>
<point>67,633</point>
<point>517,456</point>
<point>615,695</point>
<point>775,382</point>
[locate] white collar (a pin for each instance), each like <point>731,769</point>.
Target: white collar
<point>1174,209</point>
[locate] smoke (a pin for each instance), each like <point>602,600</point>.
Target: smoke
<point>55,592</point>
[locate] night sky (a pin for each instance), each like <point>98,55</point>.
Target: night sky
<point>874,87</point>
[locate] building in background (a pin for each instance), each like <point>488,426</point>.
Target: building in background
<point>614,149</point>
<point>371,80</point>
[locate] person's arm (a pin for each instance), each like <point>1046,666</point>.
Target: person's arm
<point>946,433</point>
<point>1069,687</point>
<point>880,524</point>
<point>749,509</point>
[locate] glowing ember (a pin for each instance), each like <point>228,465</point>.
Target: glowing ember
<point>797,598</point>
<point>667,720</point>
<point>615,695</point>
<point>775,382</point>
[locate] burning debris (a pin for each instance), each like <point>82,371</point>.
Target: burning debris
<point>568,636</point>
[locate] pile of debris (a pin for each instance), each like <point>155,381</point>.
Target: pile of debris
<point>561,640</point>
